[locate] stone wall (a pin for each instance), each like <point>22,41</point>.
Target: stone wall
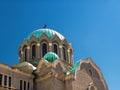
<point>50,83</point>
<point>16,76</point>
<point>81,81</point>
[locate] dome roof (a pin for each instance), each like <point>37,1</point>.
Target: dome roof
<point>48,32</point>
<point>51,57</point>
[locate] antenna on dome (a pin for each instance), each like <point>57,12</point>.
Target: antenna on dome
<point>45,26</point>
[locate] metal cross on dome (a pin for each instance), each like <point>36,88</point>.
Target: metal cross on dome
<point>45,26</point>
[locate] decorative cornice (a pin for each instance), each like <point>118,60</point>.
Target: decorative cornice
<point>15,70</point>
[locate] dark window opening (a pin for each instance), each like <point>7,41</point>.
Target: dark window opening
<point>33,51</point>
<point>44,49</point>
<point>9,81</point>
<point>64,54</point>
<point>28,86</point>
<point>55,49</point>
<point>1,76</point>
<point>5,80</point>
<point>20,84</point>
<point>24,85</point>
<point>90,71</point>
<point>25,54</point>
<point>70,55</point>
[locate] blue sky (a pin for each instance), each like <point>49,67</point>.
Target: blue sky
<point>92,26</point>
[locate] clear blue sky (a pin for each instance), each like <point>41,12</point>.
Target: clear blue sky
<point>92,26</point>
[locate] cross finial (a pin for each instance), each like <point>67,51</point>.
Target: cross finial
<point>45,26</point>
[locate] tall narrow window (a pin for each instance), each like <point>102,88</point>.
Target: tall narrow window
<point>1,76</point>
<point>33,51</point>
<point>55,49</point>
<point>28,86</point>
<point>70,55</point>
<point>64,53</point>
<point>20,84</point>
<point>5,80</point>
<point>25,54</point>
<point>44,49</point>
<point>24,85</point>
<point>9,81</point>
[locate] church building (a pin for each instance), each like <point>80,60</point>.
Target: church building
<point>46,63</point>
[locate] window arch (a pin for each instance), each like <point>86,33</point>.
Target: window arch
<point>64,53</point>
<point>55,48</point>
<point>33,51</point>
<point>44,49</point>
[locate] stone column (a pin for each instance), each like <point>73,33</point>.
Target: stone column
<point>50,47</point>
<point>2,79</point>
<point>61,55</point>
<point>28,53</point>
<point>22,56</point>
<point>38,50</point>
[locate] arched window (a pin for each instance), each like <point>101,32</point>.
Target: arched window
<point>44,49</point>
<point>55,50</point>
<point>21,82</point>
<point>64,53</point>
<point>70,55</point>
<point>25,54</point>
<point>24,85</point>
<point>33,51</point>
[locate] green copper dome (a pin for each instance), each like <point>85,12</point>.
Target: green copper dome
<point>48,32</point>
<point>51,57</point>
<point>77,64</point>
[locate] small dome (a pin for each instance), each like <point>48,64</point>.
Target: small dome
<point>48,32</point>
<point>51,57</point>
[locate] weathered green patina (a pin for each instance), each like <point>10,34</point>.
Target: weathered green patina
<point>76,65</point>
<point>48,32</point>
